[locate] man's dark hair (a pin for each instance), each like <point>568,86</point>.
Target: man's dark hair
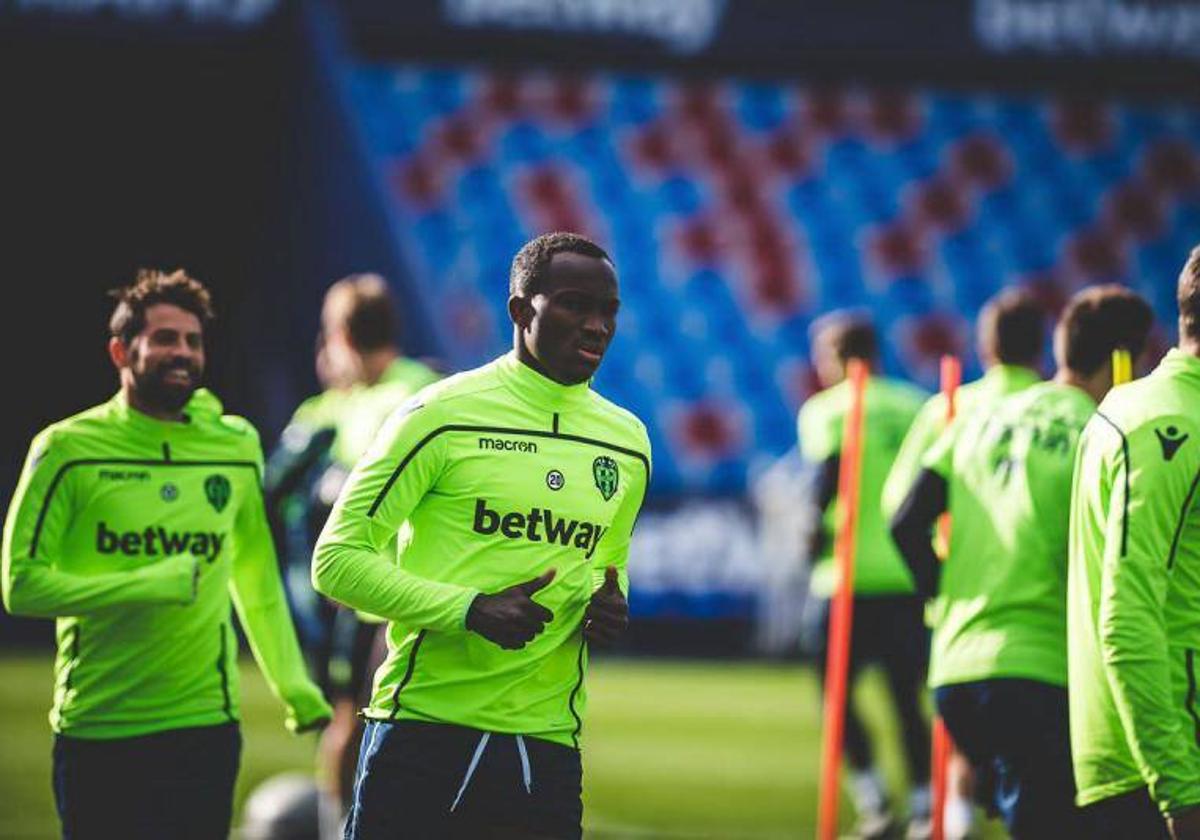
<point>362,305</point>
<point>150,287</point>
<point>850,335</point>
<point>530,264</point>
<point>1012,328</point>
<point>1099,320</point>
<point>1188,296</point>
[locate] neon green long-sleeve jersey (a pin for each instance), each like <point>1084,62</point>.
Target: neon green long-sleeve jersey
<point>997,383</point>
<point>114,513</point>
<point>494,476</point>
<point>1133,591</point>
<point>890,406</point>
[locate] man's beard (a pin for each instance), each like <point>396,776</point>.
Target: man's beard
<point>153,389</point>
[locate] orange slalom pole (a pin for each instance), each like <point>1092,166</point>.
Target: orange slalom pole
<point>942,747</point>
<point>841,616</point>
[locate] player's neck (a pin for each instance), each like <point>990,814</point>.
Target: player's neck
<point>376,363</point>
<point>1095,386</point>
<point>1191,346</point>
<point>139,405</point>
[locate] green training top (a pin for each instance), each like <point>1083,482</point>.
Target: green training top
<point>113,514</point>
<point>998,382</point>
<point>1001,605</point>
<point>1133,598</point>
<point>365,407</point>
<point>497,475</point>
<point>890,408</point>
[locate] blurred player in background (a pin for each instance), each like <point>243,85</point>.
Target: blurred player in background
<point>516,487</point>
<point>1010,335</point>
<point>888,626</point>
<point>133,524</point>
<point>998,665</point>
<point>1134,597</point>
<point>366,377</point>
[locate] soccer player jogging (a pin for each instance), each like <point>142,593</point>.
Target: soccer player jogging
<point>999,661</point>
<point>1133,597</point>
<point>134,525</point>
<point>1010,333</point>
<point>888,628</point>
<point>515,488</point>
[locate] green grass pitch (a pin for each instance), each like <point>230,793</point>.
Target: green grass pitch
<point>671,749</point>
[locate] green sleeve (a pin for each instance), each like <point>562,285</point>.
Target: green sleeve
<point>389,481</point>
<point>939,457</point>
<point>257,593</point>
<point>614,548</point>
<point>39,515</point>
<point>820,429</point>
<point>1140,531</point>
<point>922,434</point>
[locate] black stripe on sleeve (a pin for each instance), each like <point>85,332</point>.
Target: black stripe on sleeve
<point>575,692</point>
<point>408,672</point>
<point>1125,506</point>
<point>1190,700</point>
<point>1183,514</point>
<point>227,705</point>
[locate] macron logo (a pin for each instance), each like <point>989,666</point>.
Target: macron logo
<point>504,445</point>
<point>155,541</point>
<point>515,526</point>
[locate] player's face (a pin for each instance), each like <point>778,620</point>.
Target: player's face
<point>572,317</point>
<point>166,359</point>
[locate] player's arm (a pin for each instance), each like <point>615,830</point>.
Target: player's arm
<point>907,466</point>
<point>31,580</point>
<point>927,499</point>
<point>820,446</point>
<point>349,565</point>
<point>607,614</point>
<point>257,593</point>
<point>1149,496</point>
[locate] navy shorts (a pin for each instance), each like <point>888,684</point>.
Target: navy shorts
<point>1015,734</point>
<point>1132,814</point>
<point>431,780</point>
<point>176,784</point>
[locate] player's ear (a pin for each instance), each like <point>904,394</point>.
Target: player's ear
<point>520,310</point>
<point>118,352</point>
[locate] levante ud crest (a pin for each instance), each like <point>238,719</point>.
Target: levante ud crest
<point>217,491</point>
<point>604,470</point>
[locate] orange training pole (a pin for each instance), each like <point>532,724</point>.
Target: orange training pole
<point>942,746</point>
<point>841,615</point>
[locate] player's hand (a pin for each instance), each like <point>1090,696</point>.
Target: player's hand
<point>511,618</point>
<point>1185,824</point>
<point>607,613</point>
<point>308,710</point>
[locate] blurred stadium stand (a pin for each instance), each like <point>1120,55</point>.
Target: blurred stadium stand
<point>738,211</point>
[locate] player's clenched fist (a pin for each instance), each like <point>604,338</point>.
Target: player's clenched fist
<point>511,618</point>
<point>607,614</point>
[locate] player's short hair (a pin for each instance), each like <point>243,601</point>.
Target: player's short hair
<point>1012,327</point>
<point>361,304</point>
<point>152,286</point>
<point>1188,296</point>
<point>1097,321</point>
<point>849,335</point>
<point>530,264</point>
